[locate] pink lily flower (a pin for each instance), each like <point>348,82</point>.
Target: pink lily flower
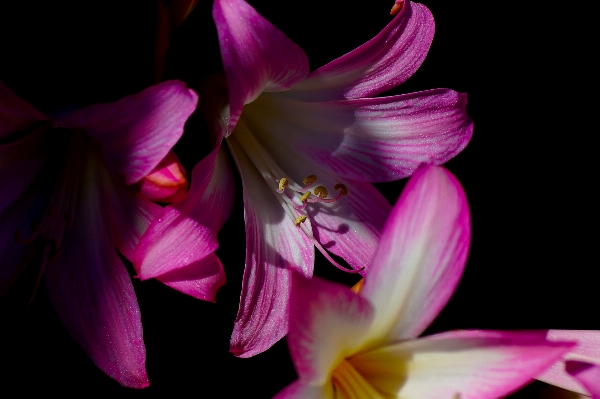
<point>297,136</point>
<point>367,345</point>
<point>579,369</point>
<point>68,201</point>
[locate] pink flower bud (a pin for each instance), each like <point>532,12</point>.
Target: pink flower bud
<point>167,182</point>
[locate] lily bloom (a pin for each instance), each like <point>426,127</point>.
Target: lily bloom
<point>69,201</point>
<point>307,147</point>
<point>576,370</point>
<point>367,345</point>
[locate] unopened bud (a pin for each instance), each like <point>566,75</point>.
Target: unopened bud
<point>167,182</point>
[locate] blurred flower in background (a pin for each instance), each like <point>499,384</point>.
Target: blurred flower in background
<point>68,203</point>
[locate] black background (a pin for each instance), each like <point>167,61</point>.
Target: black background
<point>529,173</point>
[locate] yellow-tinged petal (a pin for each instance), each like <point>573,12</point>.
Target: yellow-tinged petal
<point>471,364</point>
<point>350,384</point>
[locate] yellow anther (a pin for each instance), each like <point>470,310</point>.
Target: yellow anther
<point>342,187</point>
<point>321,191</point>
<point>310,179</point>
<point>305,196</point>
<point>283,183</point>
<point>299,219</point>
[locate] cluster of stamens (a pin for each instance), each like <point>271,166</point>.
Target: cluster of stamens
<point>319,194</point>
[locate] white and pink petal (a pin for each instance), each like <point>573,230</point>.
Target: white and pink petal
<point>372,139</point>
<point>587,350</point>
<point>421,256</point>
<point>384,62</point>
<point>256,55</point>
<point>462,364</point>
<point>328,323</point>
<point>274,248</point>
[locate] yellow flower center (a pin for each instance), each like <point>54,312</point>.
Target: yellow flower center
<point>349,383</point>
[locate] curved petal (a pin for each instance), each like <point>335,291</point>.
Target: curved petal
<point>384,62</point>
<point>587,374</point>
<point>91,289</point>
<point>587,350</point>
<point>256,55</point>
<point>16,114</point>
<point>274,247</point>
<point>186,232</point>
<point>172,241</point>
<point>462,364</point>
<point>138,131</point>
<point>201,279</point>
<point>421,255</point>
<point>373,139</point>
<point>328,322</point>
<point>298,390</point>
